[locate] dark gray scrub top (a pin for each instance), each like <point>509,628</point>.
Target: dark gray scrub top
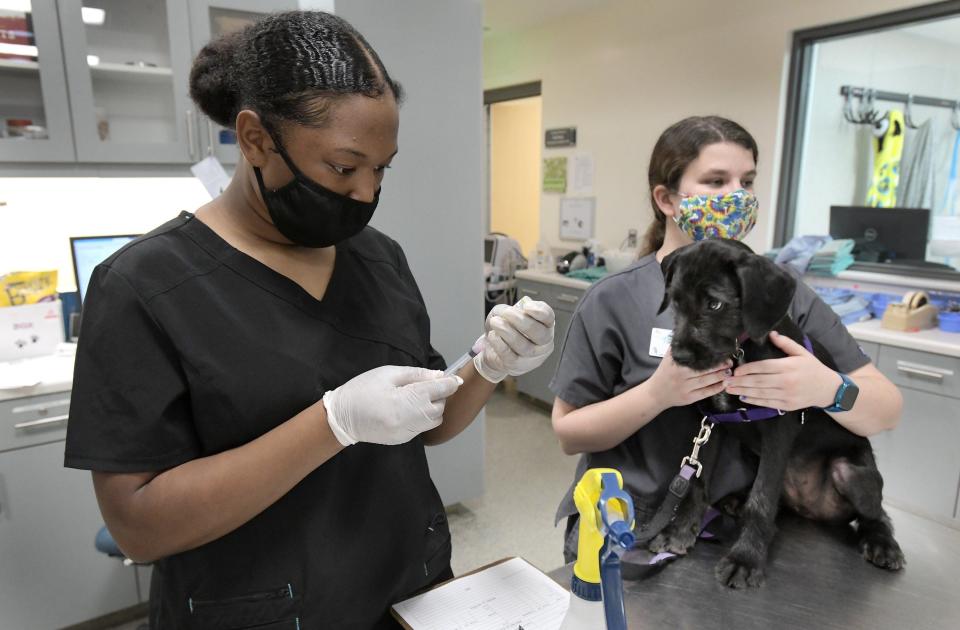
<point>607,351</point>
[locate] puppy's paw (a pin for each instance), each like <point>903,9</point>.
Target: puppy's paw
<point>678,542</point>
<point>738,572</point>
<point>882,551</point>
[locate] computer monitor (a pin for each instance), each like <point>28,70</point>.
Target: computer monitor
<point>90,251</point>
<point>883,234</point>
<point>489,247</point>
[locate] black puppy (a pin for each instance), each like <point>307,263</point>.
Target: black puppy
<point>724,294</point>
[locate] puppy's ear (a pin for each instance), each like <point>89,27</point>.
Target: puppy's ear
<point>667,266</point>
<point>731,244</point>
<point>766,292</point>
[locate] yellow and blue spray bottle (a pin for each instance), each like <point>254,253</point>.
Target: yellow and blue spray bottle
<point>606,533</point>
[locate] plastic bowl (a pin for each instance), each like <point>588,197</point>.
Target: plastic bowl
<point>950,322</point>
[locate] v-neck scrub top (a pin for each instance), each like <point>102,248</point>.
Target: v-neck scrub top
<point>190,348</point>
<point>607,352</point>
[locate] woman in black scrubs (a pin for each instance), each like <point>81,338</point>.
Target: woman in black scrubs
<point>255,383</point>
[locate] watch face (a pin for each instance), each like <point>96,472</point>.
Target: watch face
<point>849,396</point>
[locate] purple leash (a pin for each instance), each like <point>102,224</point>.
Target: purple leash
<point>691,467</point>
<point>752,414</point>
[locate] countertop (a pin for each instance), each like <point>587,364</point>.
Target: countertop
<point>39,375</point>
<point>552,277</point>
<point>933,340</point>
<point>816,578</point>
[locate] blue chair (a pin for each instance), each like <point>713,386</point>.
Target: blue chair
<point>105,544</point>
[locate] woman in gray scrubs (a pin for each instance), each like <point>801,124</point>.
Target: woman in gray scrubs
<point>619,392</point>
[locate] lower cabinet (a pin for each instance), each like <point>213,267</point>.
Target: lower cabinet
<point>919,459</point>
<point>563,301</point>
<point>50,573</point>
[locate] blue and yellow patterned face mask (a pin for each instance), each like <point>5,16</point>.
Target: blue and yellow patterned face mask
<point>729,215</point>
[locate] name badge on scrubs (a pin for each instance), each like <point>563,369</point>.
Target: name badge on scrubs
<point>660,341</point>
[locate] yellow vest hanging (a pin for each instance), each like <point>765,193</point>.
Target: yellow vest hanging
<point>888,147</point>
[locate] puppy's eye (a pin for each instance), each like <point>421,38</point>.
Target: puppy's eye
<point>715,305</point>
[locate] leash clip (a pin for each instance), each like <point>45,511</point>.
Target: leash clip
<point>687,461</point>
<point>699,441</point>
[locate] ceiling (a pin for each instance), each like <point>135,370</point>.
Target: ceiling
<point>501,16</point>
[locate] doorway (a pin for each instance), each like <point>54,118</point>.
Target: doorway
<point>514,128</point>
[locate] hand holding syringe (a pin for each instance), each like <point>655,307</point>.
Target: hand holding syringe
<point>518,339</point>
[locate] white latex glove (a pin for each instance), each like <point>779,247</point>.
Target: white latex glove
<point>388,405</point>
<point>518,339</point>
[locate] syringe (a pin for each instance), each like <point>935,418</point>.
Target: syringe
<point>457,365</point>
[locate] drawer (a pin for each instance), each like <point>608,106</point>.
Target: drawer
<point>922,371</point>
<point>534,290</point>
<point>918,459</point>
<point>33,420</point>
<point>560,298</point>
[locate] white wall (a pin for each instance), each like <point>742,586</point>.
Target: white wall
<point>836,157</point>
<point>431,200</point>
<point>431,197</point>
<point>626,70</point>
<point>42,213</point>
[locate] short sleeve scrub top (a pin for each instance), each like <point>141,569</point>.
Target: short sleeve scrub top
<point>189,348</point>
<point>608,351</point>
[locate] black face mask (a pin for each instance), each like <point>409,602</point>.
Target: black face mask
<point>309,214</point>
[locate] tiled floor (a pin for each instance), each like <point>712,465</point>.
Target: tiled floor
<point>525,477</point>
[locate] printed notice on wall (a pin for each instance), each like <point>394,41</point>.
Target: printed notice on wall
<point>576,218</point>
<point>555,174</point>
<point>581,181</point>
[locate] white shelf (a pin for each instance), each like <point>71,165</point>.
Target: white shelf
<point>933,340</point>
<point>102,70</point>
<point>552,277</point>
<point>133,73</point>
<point>19,65</point>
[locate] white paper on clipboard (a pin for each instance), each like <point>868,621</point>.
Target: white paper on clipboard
<point>511,594</point>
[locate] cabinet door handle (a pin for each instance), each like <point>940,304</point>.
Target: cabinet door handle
<point>529,292</point>
<point>42,408</point>
<point>34,424</point>
<point>191,138</point>
<point>211,142</point>
<point>566,297</point>
<point>912,371</point>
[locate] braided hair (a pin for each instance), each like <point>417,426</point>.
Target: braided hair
<point>677,147</point>
<point>287,67</point>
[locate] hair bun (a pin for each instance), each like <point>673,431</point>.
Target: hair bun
<point>211,84</point>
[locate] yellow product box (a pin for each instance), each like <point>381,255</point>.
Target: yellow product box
<point>21,288</point>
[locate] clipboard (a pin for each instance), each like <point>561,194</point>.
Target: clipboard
<point>529,570</point>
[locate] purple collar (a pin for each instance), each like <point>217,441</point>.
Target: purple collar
<point>752,414</point>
